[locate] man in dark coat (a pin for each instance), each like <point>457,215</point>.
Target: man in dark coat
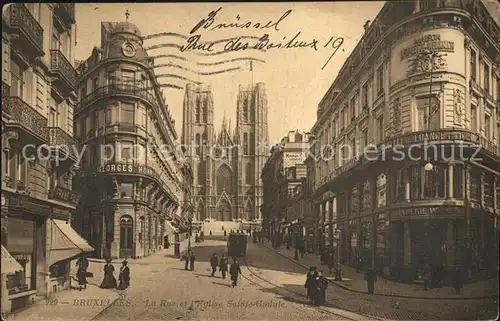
<point>214,261</point>
<point>185,257</point>
<point>426,276</point>
<point>83,264</point>
<point>234,271</point>
<point>192,258</point>
<point>124,276</point>
<point>358,261</point>
<point>223,265</point>
<point>458,281</point>
<point>310,284</point>
<point>370,278</point>
<point>321,284</point>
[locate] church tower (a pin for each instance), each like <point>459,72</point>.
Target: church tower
<point>197,137</point>
<point>251,134</point>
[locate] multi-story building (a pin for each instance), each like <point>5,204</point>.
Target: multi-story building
<point>133,175</point>
<point>283,171</point>
<point>38,162</point>
<point>227,187</point>
<point>422,83</point>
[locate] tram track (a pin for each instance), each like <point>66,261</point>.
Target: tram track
<point>327,304</point>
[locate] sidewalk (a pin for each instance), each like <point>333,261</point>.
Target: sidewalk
<point>355,282</point>
<point>69,305</point>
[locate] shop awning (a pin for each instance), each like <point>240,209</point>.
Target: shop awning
<point>65,242</point>
<point>9,264</point>
<point>173,228</point>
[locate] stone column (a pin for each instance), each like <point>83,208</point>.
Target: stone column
<point>449,186</point>
<point>407,184</point>
<point>407,244</point>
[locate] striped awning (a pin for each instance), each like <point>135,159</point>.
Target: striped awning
<point>9,264</point>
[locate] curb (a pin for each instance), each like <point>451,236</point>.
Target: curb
<point>382,294</point>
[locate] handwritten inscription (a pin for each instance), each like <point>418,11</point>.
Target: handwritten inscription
<point>207,23</point>
<point>265,42</point>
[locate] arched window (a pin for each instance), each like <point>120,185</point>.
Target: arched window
<point>197,110</point>
<point>249,212</point>
<point>224,180</point>
<point>201,212</point>
<point>252,143</point>
<point>249,174</point>
<point>252,113</point>
<point>245,110</point>
<point>201,173</point>
<point>245,144</point>
<point>205,111</point>
<point>198,144</point>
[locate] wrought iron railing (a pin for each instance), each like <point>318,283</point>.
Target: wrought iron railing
<point>20,17</point>
<point>57,136</point>
<point>118,88</point>
<point>61,65</point>
<point>29,118</point>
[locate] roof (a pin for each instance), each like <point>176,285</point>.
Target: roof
<point>126,27</point>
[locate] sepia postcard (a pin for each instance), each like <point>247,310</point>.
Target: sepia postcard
<point>335,160</point>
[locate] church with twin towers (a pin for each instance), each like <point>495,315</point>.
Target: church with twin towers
<point>227,162</point>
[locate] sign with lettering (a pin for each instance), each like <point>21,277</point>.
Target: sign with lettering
<point>425,43</point>
<point>65,195</point>
<point>409,212</point>
<point>127,168</point>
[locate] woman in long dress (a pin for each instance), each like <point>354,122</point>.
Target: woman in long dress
<point>124,276</point>
<point>109,281</point>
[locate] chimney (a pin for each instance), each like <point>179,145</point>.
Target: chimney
<point>367,25</point>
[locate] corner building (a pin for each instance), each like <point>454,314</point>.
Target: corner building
<point>133,177</point>
<point>38,204</point>
<point>424,80</point>
<point>227,188</point>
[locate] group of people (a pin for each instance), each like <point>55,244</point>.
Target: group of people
<point>189,257</point>
<point>222,263</point>
<point>316,285</point>
<point>199,238</point>
<point>433,277</point>
<point>109,280</point>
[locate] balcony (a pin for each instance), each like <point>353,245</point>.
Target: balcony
<point>26,117</point>
<point>117,89</point>
<point>26,31</point>
<point>63,70</point>
<point>61,140</point>
<point>66,12</point>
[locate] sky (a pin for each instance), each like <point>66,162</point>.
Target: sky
<point>294,80</point>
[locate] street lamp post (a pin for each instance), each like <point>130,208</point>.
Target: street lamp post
<point>338,270</point>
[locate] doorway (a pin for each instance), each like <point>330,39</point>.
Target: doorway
<point>126,237</point>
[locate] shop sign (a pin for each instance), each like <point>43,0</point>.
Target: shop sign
<point>427,211</point>
<point>65,195</point>
<point>127,168</point>
<point>424,43</point>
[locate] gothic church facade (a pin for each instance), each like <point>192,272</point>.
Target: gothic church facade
<point>226,163</point>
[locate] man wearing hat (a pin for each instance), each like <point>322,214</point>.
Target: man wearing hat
<point>214,262</point>
<point>310,284</point>
<point>124,276</point>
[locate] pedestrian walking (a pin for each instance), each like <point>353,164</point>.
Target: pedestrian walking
<point>214,261</point>
<point>185,258</point>
<point>81,273</point>
<point>210,233</point>
<point>124,276</point>
<point>225,233</point>
<point>202,236</point>
<point>223,263</point>
<point>196,239</point>
<point>358,261</point>
<point>310,282</point>
<point>321,284</point>
<point>370,278</point>
<point>109,280</point>
<point>234,271</point>
<point>426,276</point>
<point>458,281</point>
<point>331,262</point>
<point>192,258</point>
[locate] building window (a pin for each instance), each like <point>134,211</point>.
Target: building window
<point>53,112</point>
<point>473,65</point>
<point>197,111</point>
<point>20,244</point>
<point>458,181</point>
<point>428,118</point>
<point>365,138</point>
<point>486,81</point>
<point>245,110</point>
<point>204,111</point>
<point>473,119</point>
<point>198,144</point>
<point>17,78</point>
<point>364,93</point>
<point>415,172</point>
<point>487,126</point>
<point>380,128</point>
<point>249,174</point>
<point>201,173</point>
<point>252,143</point>
<point>434,182</point>
<point>127,112</point>
<point>400,185</point>
<point>380,79</point>
<point>353,108</point>
<point>55,43</point>
<point>428,4</point>
<point>128,77</point>
<point>95,83</point>
<point>126,153</point>
<point>21,169</point>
